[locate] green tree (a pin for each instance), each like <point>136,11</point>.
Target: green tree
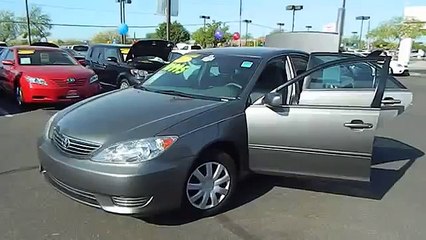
<point>353,42</point>
<point>152,35</point>
<point>396,29</point>
<point>40,24</point>
<point>178,33</point>
<point>205,36</point>
<point>8,27</point>
<point>106,37</point>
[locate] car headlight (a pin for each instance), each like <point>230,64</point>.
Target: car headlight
<point>138,73</point>
<point>35,80</point>
<point>48,126</point>
<point>94,78</point>
<point>136,151</point>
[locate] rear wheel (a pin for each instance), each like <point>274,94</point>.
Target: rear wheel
<point>124,83</point>
<point>210,184</point>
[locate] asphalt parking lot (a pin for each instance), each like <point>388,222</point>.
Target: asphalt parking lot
<point>393,206</point>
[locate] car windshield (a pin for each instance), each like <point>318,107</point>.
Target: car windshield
<point>217,77</point>
<point>44,57</point>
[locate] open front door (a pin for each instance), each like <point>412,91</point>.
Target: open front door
<point>317,139</point>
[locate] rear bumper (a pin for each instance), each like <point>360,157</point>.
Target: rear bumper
<point>35,94</point>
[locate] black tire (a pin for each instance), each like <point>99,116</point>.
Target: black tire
<point>124,81</point>
<point>19,97</point>
<point>215,157</point>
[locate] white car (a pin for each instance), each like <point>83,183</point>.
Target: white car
<point>397,68</point>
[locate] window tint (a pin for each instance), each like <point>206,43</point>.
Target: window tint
<point>195,47</point>
<point>352,75</point>
<point>300,64</point>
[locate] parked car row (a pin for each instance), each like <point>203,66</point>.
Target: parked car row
<point>185,136</point>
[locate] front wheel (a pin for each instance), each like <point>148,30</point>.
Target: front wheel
<point>19,96</point>
<point>124,83</point>
<point>210,184</point>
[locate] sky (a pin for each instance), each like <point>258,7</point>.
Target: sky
<point>265,16</point>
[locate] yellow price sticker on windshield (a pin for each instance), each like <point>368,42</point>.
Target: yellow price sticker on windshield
<point>186,58</point>
<point>26,51</point>
<point>124,50</point>
<point>176,68</point>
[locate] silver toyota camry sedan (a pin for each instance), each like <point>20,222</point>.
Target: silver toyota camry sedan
<point>184,137</point>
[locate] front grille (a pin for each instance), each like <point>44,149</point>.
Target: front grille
<point>76,194</point>
<point>72,145</point>
<point>65,83</point>
<point>131,202</point>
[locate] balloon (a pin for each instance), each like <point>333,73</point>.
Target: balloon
<point>218,35</point>
<point>236,36</point>
<point>123,29</point>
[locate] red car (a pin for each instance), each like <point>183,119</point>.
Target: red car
<point>35,74</point>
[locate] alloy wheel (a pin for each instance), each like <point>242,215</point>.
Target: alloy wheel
<point>124,85</point>
<point>208,185</point>
<point>19,97</point>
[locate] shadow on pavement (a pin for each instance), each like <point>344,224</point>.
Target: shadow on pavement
<point>8,106</point>
<point>387,152</point>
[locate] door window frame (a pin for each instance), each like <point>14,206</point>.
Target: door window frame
<point>378,91</point>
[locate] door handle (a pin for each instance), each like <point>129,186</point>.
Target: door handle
<point>390,101</point>
<point>358,124</point>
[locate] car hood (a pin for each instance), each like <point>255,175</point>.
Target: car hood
<point>76,71</point>
<point>126,114</point>
<point>157,48</point>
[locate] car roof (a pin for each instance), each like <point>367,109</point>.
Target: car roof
<point>259,52</point>
<point>110,45</point>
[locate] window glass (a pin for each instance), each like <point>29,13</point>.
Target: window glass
<point>112,52</point>
<point>174,55</point>
<point>273,76</point>
<point>300,64</point>
<point>95,53</point>
<point>351,75</point>
<point>10,56</point>
<point>44,57</point>
<point>205,75</point>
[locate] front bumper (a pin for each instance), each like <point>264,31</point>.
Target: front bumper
<point>42,94</point>
<point>148,188</point>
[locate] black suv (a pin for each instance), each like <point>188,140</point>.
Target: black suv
<point>121,66</point>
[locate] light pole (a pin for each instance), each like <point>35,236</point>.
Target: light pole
<point>308,28</point>
<point>362,19</point>
<point>247,24</point>
<point>28,22</point>
<point>341,22</point>
<point>241,13</point>
<point>205,18</point>
<point>280,25</point>
<point>294,8</point>
<point>123,15</point>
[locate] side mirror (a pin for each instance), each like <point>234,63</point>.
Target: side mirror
<point>8,62</point>
<point>82,62</point>
<point>273,99</point>
<point>112,59</point>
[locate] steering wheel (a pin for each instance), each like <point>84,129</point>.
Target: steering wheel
<point>234,85</point>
